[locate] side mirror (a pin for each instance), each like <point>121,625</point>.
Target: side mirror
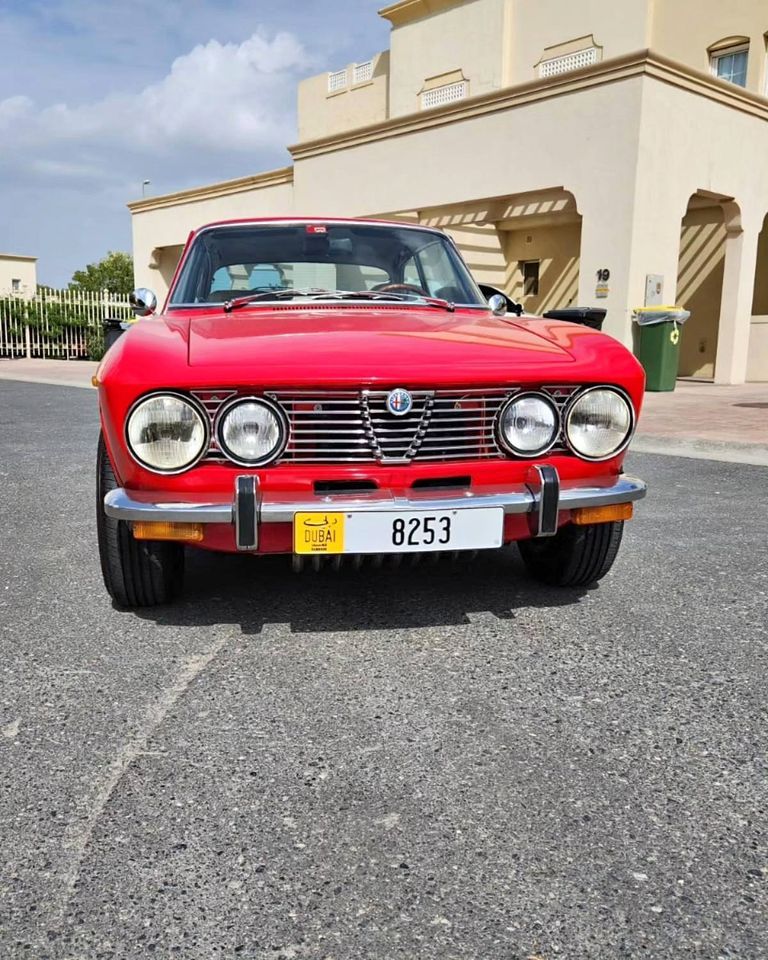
<point>490,293</point>
<point>143,302</point>
<point>498,305</point>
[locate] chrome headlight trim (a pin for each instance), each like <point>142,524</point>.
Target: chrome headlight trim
<point>503,441</point>
<point>191,402</point>
<point>274,408</point>
<point>623,395</point>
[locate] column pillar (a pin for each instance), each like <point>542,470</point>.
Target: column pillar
<point>736,304</point>
<point>632,237</point>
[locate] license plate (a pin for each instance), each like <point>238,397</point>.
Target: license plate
<point>398,531</point>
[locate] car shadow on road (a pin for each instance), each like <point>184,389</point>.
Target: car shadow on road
<point>256,591</point>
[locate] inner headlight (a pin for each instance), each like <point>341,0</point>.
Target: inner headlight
<point>252,431</point>
<point>166,433</point>
<point>599,423</point>
<point>529,425</point>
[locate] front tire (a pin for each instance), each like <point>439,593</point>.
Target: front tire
<point>575,556</point>
<point>137,573</point>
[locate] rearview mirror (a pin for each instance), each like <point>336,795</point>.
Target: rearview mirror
<point>498,305</point>
<point>143,302</point>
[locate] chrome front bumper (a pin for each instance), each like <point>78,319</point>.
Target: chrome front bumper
<point>544,495</point>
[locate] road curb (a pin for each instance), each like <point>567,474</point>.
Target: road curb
<point>753,454</point>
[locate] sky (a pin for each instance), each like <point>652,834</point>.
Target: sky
<point>97,96</point>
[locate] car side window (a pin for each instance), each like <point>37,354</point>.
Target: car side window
<point>438,271</point>
<point>431,270</point>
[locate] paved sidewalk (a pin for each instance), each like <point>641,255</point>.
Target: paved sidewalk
<point>698,420</point>
<point>709,421</point>
<point>68,373</point>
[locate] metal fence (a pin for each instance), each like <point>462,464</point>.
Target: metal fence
<point>62,324</point>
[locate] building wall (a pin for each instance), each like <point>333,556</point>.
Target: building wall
<point>685,31</point>
<point>468,37</point>
<point>557,250</point>
<point>19,268</point>
<point>542,28</point>
<point>322,114</point>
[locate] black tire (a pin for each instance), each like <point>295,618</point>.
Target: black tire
<point>137,573</point>
<point>575,556</point>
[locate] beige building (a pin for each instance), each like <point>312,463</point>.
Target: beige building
<point>18,275</point>
<point>581,152</point>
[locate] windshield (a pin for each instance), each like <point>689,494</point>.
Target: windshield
<point>300,259</point>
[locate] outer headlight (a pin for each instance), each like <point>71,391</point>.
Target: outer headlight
<point>252,431</point>
<point>599,423</point>
<point>529,425</point>
<point>166,433</point>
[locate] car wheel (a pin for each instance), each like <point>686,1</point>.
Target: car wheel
<point>575,556</point>
<point>137,573</point>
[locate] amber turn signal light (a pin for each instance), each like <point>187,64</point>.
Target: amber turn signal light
<point>162,530</point>
<point>616,511</point>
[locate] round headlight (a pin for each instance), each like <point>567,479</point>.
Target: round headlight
<point>599,423</point>
<point>252,431</point>
<point>166,433</point>
<point>529,425</point>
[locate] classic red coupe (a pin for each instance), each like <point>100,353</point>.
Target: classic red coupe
<point>342,388</point>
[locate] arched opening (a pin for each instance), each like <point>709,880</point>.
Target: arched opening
<point>700,283</point>
<point>757,363</point>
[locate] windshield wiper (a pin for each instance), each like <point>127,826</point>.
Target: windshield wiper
<point>385,295</point>
<point>237,302</point>
<point>231,305</point>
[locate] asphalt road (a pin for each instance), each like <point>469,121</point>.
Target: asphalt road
<point>446,762</point>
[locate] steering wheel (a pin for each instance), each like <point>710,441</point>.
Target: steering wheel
<point>395,287</point>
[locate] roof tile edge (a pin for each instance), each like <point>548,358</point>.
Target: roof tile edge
<point>220,189</point>
<point>405,11</point>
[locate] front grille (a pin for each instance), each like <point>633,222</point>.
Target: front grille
<point>354,426</point>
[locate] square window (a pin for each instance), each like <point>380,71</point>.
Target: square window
<point>530,270</point>
<point>731,65</point>
<point>15,285</point>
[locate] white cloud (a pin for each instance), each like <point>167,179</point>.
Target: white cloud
<point>219,97</point>
<point>13,109</point>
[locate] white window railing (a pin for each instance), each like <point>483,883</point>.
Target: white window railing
<point>570,61</point>
<point>449,93</point>
<point>362,72</point>
<point>337,81</point>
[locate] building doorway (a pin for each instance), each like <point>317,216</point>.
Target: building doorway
<point>700,284</point>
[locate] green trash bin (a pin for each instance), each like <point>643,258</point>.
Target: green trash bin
<point>657,344</point>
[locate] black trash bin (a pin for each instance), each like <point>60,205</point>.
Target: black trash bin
<point>113,328</point>
<point>587,316</point>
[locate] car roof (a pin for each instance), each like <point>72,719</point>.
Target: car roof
<point>244,221</point>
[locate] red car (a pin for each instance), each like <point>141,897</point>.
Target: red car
<point>332,388</point>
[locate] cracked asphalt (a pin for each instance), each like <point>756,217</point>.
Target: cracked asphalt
<point>444,762</point>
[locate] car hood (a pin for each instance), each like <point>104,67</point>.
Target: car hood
<point>343,344</point>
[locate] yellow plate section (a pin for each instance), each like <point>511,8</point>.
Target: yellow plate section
<point>318,533</point>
